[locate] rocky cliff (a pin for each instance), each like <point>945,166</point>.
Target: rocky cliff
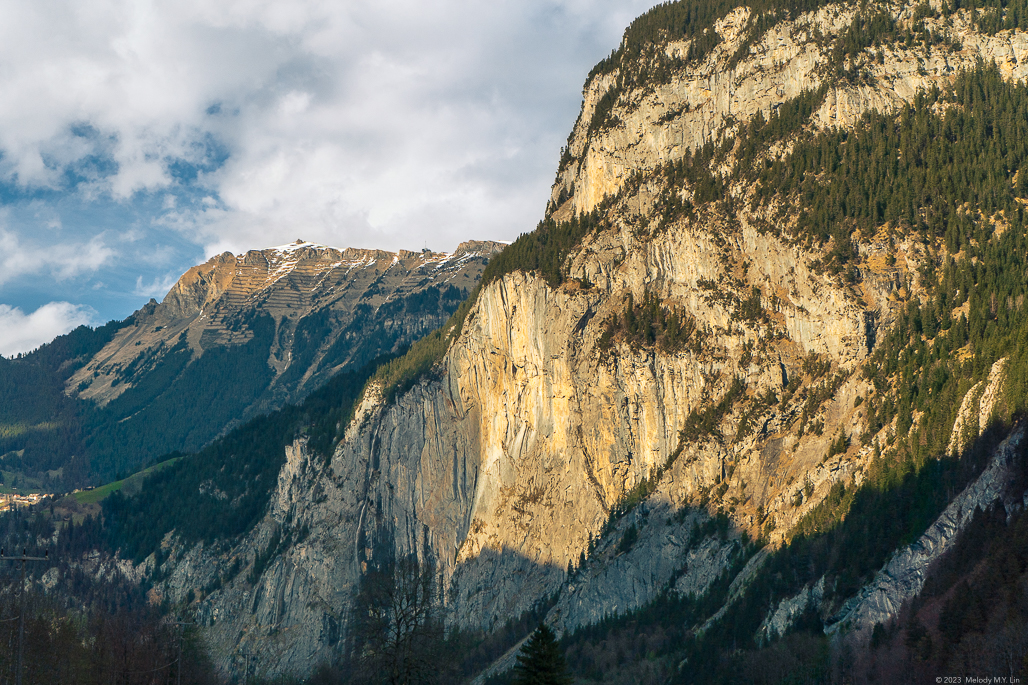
<point>708,101</point>
<point>343,292</point>
<point>550,415</point>
<point>272,325</point>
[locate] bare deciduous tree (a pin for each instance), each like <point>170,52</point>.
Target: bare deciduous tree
<point>398,633</point>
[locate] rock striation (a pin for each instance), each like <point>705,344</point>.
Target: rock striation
<point>538,425</point>
<point>507,461</point>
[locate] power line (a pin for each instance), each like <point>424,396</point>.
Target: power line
<point>181,625</point>
<point>21,624</point>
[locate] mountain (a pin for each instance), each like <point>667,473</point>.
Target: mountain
<point>236,337</point>
<point>746,405</point>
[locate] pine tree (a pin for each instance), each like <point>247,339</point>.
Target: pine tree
<point>540,661</point>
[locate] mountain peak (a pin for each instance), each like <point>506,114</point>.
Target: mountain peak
<point>305,305</point>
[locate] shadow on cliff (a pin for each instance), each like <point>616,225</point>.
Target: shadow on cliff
<point>500,596</point>
<point>402,618</point>
<point>844,540</point>
<point>520,611</point>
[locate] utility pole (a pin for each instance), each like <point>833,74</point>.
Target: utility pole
<point>21,599</point>
<point>181,625</point>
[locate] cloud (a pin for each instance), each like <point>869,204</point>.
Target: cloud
<point>62,260</point>
<point>158,288</point>
<point>21,332</point>
<point>351,123</point>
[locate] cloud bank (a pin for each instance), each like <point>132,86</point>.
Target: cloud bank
<point>21,332</point>
<point>387,124</point>
<point>61,260</point>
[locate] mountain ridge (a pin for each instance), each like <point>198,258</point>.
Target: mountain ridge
<point>271,325</point>
<point>206,302</point>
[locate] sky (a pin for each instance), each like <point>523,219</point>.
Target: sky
<point>138,138</point>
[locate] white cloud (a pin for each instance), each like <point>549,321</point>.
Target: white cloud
<point>348,122</point>
<point>62,260</point>
<point>158,288</point>
<point>21,332</point>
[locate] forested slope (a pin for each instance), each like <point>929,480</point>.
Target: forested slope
<point>236,338</point>
<point>726,414</point>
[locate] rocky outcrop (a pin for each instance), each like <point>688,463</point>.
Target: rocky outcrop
<point>318,297</point>
<point>658,123</point>
<point>789,609</point>
<point>543,418</point>
<point>662,122</point>
<point>976,409</point>
<point>904,575</point>
<point>651,549</point>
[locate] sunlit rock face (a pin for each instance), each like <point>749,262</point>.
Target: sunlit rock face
<point>661,122</point>
<point>504,463</point>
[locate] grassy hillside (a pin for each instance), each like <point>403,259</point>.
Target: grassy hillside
<point>126,486</point>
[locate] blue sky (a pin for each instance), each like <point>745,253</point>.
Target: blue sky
<point>139,138</point>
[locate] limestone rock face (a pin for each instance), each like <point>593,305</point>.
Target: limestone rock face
<point>621,574</point>
<point>510,459</point>
<point>790,608</point>
<point>976,409</point>
<point>504,463</point>
<point>395,481</point>
<point>660,123</point>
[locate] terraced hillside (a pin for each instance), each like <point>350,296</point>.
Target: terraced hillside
<point>330,309</point>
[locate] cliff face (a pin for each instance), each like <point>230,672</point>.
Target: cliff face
<point>505,462</point>
<point>505,465</point>
<point>708,101</point>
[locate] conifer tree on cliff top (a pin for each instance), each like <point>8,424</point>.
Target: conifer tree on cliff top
<point>540,661</point>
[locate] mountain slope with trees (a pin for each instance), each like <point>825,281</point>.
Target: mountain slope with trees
<point>237,337</point>
<point>769,334</point>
